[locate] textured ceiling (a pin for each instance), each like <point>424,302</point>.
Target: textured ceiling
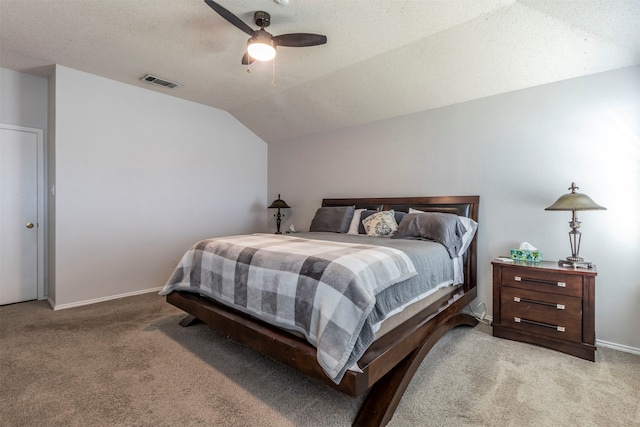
<point>383,58</point>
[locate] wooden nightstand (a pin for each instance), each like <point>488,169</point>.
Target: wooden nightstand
<point>545,304</point>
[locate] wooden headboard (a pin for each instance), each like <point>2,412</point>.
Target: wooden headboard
<point>459,205</point>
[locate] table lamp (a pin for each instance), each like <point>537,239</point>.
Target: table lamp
<point>573,202</point>
<point>279,204</point>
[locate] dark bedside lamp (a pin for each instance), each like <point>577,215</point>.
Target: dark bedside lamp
<point>279,204</point>
<point>575,202</point>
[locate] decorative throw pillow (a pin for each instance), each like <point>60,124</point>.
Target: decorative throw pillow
<point>380,224</point>
<point>334,219</point>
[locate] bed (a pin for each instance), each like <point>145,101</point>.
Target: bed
<point>386,363</point>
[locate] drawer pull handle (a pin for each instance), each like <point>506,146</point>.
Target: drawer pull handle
<point>545,325</point>
<point>546,282</point>
<point>530,301</point>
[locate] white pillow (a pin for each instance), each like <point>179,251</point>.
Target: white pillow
<point>355,222</point>
<point>380,224</point>
<point>468,223</point>
<point>471,227</point>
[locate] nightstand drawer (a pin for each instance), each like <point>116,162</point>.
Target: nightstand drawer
<point>557,316</point>
<point>553,282</point>
<point>566,332</point>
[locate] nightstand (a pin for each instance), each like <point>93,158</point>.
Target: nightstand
<point>545,304</point>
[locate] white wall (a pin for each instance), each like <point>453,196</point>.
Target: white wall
<point>139,177</point>
<point>519,151</point>
<point>23,99</point>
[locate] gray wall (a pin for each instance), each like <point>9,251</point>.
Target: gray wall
<point>23,99</point>
<point>519,151</point>
<point>139,177</point>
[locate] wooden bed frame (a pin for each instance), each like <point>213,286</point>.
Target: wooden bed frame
<point>391,361</point>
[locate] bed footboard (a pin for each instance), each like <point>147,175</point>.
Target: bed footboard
<point>387,368</point>
<point>383,399</point>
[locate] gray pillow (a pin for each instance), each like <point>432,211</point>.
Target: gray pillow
<point>333,219</point>
<point>443,228</point>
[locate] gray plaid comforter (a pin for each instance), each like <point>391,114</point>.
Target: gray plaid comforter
<point>322,289</point>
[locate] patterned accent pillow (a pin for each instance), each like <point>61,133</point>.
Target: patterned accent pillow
<point>363,215</point>
<point>380,224</point>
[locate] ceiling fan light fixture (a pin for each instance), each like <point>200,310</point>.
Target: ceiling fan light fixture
<point>261,48</point>
<point>262,45</point>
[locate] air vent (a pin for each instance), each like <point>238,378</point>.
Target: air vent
<point>159,81</point>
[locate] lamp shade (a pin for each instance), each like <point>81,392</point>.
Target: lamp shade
<point>574,202</point>
<point>261,47</point>
<point>279,204</point>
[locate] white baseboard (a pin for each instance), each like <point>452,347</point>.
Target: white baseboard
<point>619,347</point>
<point>97,300</point>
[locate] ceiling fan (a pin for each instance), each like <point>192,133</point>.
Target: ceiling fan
<point>262,45</point>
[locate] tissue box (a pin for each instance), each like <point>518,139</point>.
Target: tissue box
<point>526,255</point>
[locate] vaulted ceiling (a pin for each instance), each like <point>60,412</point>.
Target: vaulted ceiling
<point>383,58</point>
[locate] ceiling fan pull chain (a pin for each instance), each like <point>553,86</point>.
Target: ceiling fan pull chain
<point>273,78</point>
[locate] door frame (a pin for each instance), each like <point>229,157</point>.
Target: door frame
<point>41,220</point>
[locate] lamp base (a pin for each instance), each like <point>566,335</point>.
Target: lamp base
<point>575,262</point>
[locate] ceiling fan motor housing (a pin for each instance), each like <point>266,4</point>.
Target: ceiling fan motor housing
<point>262,19</point>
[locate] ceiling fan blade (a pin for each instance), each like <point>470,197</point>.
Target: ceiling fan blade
<point>299,39</point>
<point>247,59</point>
<point>233,19</point>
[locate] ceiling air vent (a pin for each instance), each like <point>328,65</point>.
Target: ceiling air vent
<point>160,82</point>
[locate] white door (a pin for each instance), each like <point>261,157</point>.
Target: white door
<point>18,215</point>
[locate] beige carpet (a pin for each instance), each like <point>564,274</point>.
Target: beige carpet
<point>128,363</point>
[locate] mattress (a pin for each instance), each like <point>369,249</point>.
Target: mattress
<point>271,277</point>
